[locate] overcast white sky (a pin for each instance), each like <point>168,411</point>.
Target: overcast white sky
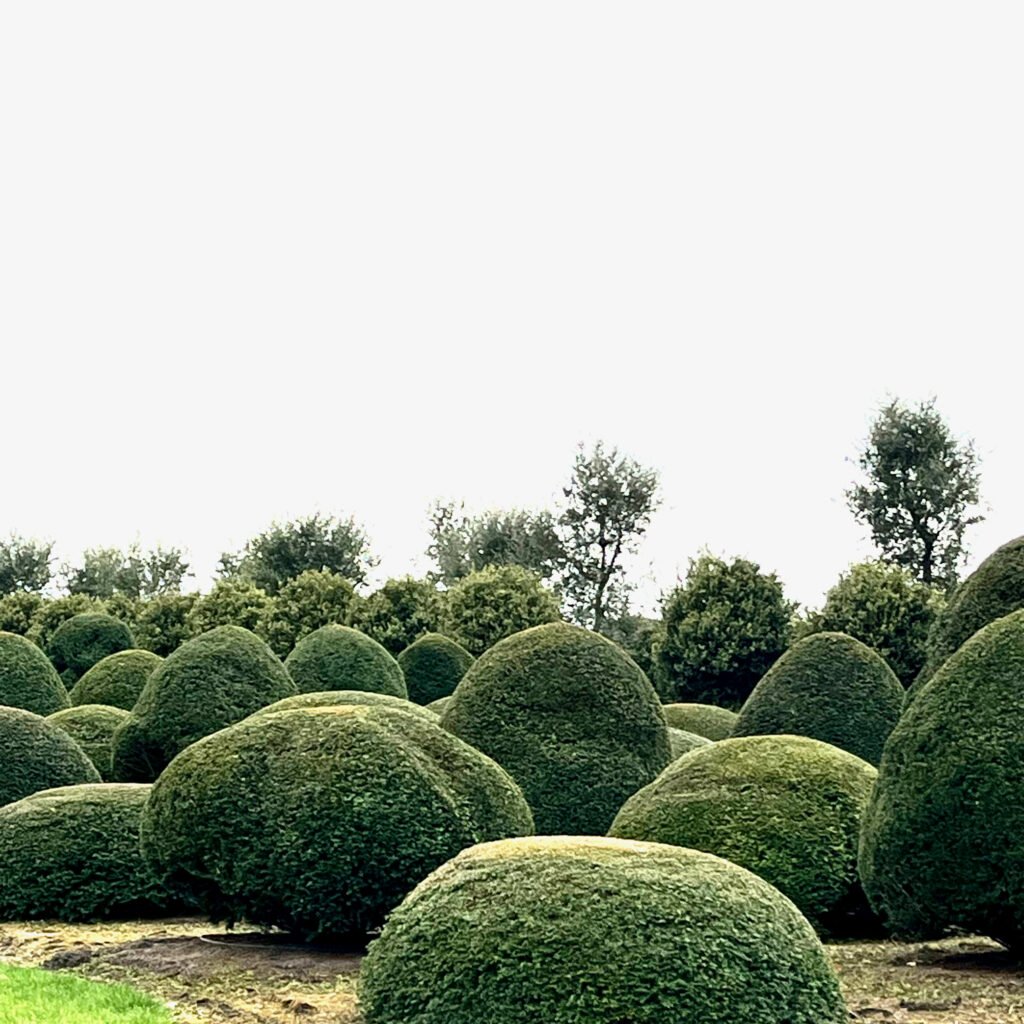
<point>259,259</point>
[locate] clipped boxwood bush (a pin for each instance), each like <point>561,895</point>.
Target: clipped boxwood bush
<point>35,754</point>
<point>27,678</point>
<point>208,683</point>
<point>682,742</point>
<point>705,720</point>
<point>571,718</point>
<point>117,680</point>
<point>341,658</point>
<point>432,667</point>
<point>332,698</point>
<point>832,688</point>
<point>943,838</point>
<point>565,930</point>
<point>320,820</point>
<point>92,727</point>
<point>787,808</point>
<point>72,854</point>
<point>80,642</point>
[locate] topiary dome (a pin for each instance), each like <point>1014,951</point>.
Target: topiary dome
<point>341,658</point>
<point>432,667</point>
<point>571,718</point>
<point>92,727</point>
<point>27,678</point>
<point>438,706</point>
<point>707,720</point>
<point>320,820</point>
<point>566,930</point>
<point>117,680</point>
<point>682,742</point>
<point>80,642</point>
<point>332,698</point>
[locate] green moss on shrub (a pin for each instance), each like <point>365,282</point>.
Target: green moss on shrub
<point>117,680</point>
<point>332,698</point>
<point>92,727</point>
<point>80,642</point>
<point>432,667</point>
<point>27,678</point>
<point>341,658</point>
<point>705,720</point>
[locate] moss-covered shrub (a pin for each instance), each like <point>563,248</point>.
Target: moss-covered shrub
<point>571,718</point>
<point>787,808</point>
<point>83,640</point>
<point>943,837</point>
<point>320,820</point>
<point>830,687</point>
<point>705,720</point>
<point>332,698</point>
<point>682,742</point>
<point>27,678</point>
<point>341,658</point>
<point>432,667</point>
<point>310,600</point>
<point>208,683</point>
<point>35,754</point>
<point>92,727</point>
<point>117,680</point>
<point>565,930</point>
<point>161,625</point>
<point>72,854</point>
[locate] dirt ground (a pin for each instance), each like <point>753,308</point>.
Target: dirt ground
<point>209,976</point>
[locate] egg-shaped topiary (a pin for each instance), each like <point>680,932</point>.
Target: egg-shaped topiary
<point>332,698</point>
<point>432,667</point>
<point>83,640</point>
<point>943,838</point>
<point>787,808</point>
<point>341,658</point>
<point>72,854</point>
<point>35,754</point>
<point>565,930</point>
<point>571,718</point>
<point>27,678</point>
<point>830,687</point>
<point>438,706</point>
<point>682,742</point>
<point>117,680</point>
<point>208,683</point>
<point>319,820</point>
<point>707,720</point>
<point>92,727</point>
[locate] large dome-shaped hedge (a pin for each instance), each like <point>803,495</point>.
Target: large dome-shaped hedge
<point>566,930</point>
<point>320,820</point>
<point>432,667</point>
<point>83,640</point>
<point>117,680</point>
<point>830,687</point>
<point>27,678</point>
<point>332,698</point>
<point>787,808</point>
<point>72,854</point>
<point>35,754</point>
<point>707,720</point>
<point>571,718</point>
<point>341,658</point>
<point>92,727</point>
<point>943,837</point>
<point>208,683</point>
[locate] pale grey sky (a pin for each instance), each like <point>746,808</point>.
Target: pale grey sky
<point>258,259</point>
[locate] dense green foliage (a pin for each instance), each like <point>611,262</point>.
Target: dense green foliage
<point>342,658</point>
<point>320,820</point>
<point>72,854</point>
<point>399,613</point>
<point>17,610</point>
<point>682,742</point>
<point>92,727</point>
<point>27,678</point>
<point>134,574</point>
<point>943,838</point>
<point>637,636</point>
<point>432,667</point>
<point>161,623</point>
<point>24,564</point>
<point>785,807</point>
<point>832,688</point>
<point>81,641</point>
<point>724,627</point>
<point>706,720</point>
<point>302,605</point>
<point>332,698</point>
<point>51,614</point>
<point>208,683</point>
<point>117,680</point>
<point>570,717</point>
<point>229,603</point>
<point>604,931</point>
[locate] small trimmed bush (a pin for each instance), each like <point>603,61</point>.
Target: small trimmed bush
<point>705,720</point>
<point>399,613</point>
<point>432,667</point>
<point>832,688</point>
<point>332,698</point>
<point>52,613</point>
<point>682,742</point>
<point>787,808</point>
<point>319,820</point>
<point>35,754</point>
<point>117,680</point>
<point>83,640</point>
<point>72,854</point>
<point>438,706</point>
<point>572,719</point>
<point>566,930</point>
<point>27,678</point>
<point>310,600</point>
<point>342,658</point>
<point>208,683</point>
<point>92,727</point>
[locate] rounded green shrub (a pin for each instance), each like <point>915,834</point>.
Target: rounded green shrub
<point>332,698</point>
<point>787,808</point>
<point>571,718</point>
<point>341,658</point>
<point>117,680</point>
<point>832,688</point>
<point>399,613</point>
<point>72,854</point>
<point>564,930</point>
<point>943,838</point>
<point>432,667</point>
<point>229,603</point>
<point>92,727</point>
<point>35,754</point>
<point>161,625</point>
<point>27,678</point>
<point>310,600</point>
<point>80,642</point>
<point>208,683</point>
<point>682,742</point>
<point>438,706</point>
<point>52,613</point>
<point>705,720</point>
<point>319,820</point>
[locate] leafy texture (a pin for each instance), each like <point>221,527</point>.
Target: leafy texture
<point>400,612</point>
<point>117,680</point>
<point>27,678</point>
<point>51,614</point>
<point>161,623</point>
<point>81,641</point>
<point>432,667</point>
<point>342,658</point>
<point>229,603</point>
<point>92,727</point>
<point>17,611</point>
<point>302,605</point>
<point>333,698</point>
<point>706,720</point>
